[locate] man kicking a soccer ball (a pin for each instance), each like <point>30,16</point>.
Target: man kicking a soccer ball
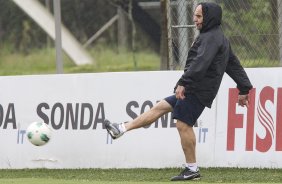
<point>208,58</point>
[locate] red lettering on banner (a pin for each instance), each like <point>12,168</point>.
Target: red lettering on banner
<point>265,119</point>
<point>271,129</point>
<point>234,120</point>
<point>279,121</point>
<point>250,121</point>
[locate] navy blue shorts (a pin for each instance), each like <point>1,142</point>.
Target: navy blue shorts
<point>187,110</point>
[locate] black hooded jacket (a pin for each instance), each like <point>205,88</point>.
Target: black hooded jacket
<point>209,57</point>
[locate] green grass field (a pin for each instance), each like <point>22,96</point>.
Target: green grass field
<point>106,60</point>
<point>42,61</point>
<point>136,176</point>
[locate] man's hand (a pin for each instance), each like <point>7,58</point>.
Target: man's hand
<point>179,92</point>
<point>243,100</point>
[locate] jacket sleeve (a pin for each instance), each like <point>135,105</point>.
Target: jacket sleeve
<point>235,70</point>
<point>205,53</point>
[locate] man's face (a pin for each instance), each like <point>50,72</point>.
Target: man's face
<point>198,17</point>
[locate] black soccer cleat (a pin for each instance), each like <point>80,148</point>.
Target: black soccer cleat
<point>187,174</point>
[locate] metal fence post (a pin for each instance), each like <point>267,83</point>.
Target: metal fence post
<point>279,7</point>
<point>169,38</point>
<point>58,40</point>
<point>183,41</point>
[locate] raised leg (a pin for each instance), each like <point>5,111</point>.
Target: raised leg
<point>149,116</point>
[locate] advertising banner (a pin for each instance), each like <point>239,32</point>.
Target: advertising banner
<point>251,137</point>
<point>76,105</point>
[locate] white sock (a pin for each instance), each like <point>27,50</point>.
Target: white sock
<point>192,166</point>
<point>122,127</point>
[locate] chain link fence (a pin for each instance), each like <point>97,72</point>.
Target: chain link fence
<point>252,26</point>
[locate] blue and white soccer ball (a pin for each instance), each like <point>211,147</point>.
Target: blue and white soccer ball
<point>38,133</point>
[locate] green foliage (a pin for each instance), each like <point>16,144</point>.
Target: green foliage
<point>18,29</point>
<point>252,28</point>
<point>82,18</point>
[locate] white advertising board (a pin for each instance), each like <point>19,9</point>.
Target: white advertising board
<point>75,106</point>
<point>251,137</point>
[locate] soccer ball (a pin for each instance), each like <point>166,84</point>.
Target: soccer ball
<point>38,133</point>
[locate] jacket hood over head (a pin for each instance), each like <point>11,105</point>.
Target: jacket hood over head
<point>212,15</point>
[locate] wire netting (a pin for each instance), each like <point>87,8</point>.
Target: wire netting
<point>252,26</point>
